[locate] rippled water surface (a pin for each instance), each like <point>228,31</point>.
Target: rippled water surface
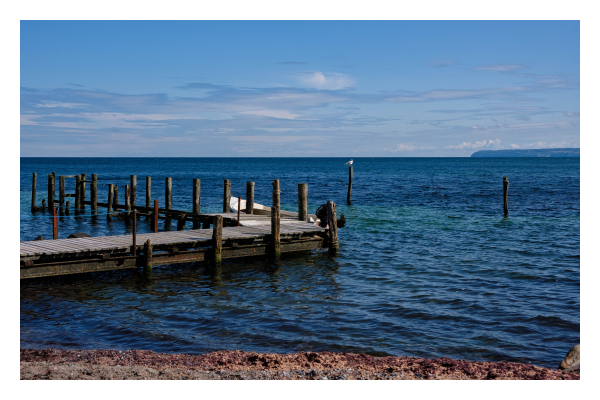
<point>428,264</point>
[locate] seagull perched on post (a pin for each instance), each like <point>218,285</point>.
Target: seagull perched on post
<point>349,162</point>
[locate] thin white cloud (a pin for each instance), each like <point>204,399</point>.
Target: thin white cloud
<point>325,81</point>
<point>273,114</point>
<point>502,67</point>
<point>272,139</point>
<point>476,145</point>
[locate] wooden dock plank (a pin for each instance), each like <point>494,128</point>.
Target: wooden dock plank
<point>252,226</point>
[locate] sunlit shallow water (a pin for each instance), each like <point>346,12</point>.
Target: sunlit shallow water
<point>428,264</point>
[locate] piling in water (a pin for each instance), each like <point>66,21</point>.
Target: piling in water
<point>226,195</point>
<point>94,193</point>
<point>196,205</point>
<point>110,200</point>
<point>275,222</point>
<point>303,201</point>
<point>349,200</point>
<point>33,188</point>
<point>82,192</point>
<point>77,192</point>
<point>249,197</point>
<point>332,222</point>
<point>168,189</point>
<point>61,191</point>
<point>505,186</point>
<point>148,192</point>
<point>147,256</point>
<point>50,190</point>
<point>133,188</point>
<point>217,238</point>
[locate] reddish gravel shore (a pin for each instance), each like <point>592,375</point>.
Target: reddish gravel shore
<point>143,364</point>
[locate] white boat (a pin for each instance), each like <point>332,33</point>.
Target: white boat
<point>259,209</point>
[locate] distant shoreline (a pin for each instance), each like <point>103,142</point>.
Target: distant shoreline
<point>562,152</point>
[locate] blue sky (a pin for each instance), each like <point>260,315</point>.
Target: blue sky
<point>285,88</point>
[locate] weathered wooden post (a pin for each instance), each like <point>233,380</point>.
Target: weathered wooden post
<point>116,197</point>
<point>61,191</point>
<point>94,194</point>
<point>109,207</point>
<point>54,223</point>
<point>226,195</point>
<point>50,190</point>
<point>350,185</point>
<point>147,256</point>
<point>239,208</point>
<point>275,221</point>
<point>68,207</point>
<point>505,186</point>
<point>332,222</point>
<point>133,188</point>
<point>168,188</point>
<point>303,201</point>
<point>148,192</point>
<point>134,234</point>
<point>249,197</point>
<point>217,238</point>
<point>196,206</point>
<point>43,204</point>
<point>77,192</point>
<point>33,188</point>
<point>127,201</point>
<point>82,200</point>
<point>155,216</point>
<point>181,222</point>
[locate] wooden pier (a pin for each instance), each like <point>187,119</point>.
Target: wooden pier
<point>224,235</point>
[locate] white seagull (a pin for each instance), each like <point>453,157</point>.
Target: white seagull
<point>349,162</point>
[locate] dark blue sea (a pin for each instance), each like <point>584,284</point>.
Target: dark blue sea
<point>428,265</point>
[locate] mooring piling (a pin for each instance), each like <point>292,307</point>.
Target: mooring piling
<point>168,189</point>
<point>226,195</point>
<point>350,185</point>
<point>82,200</point>
<point>196,200</point>
<point>249,197</point>
<point>134,233</point>
<point>116,196</point>
<point>147,256</point>
<point>94,193</point>
<point>239,209</point>
<point>33,188</point>
<point>148,192</point>
<point>217,238</point>
<point>61,191</point>
<point>110,200</point>
<point>54,223</point>
<point>332,222</point>
<point>155,228</point>
<point>43,204</point>
<point>128,200</point>
<point>275,221</point>
<point>181,222</point>
<point>77,192</point>
<point>133,188</point>
<point>50,190</point>
<point>303,201</point>
<point>505,187</point>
